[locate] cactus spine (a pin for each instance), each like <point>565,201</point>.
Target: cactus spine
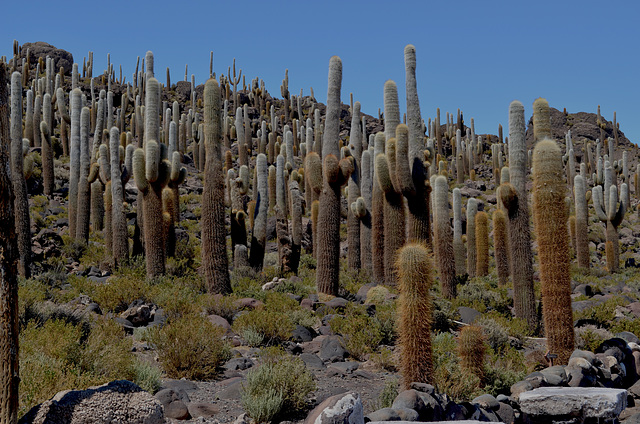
<point>335,174</point>
<point>482,244</point>
<point>550,220</point>
<point>444,238</point>
<point>214,250</point>
<point>513,196</point>
<point>415,278</point>
<point>21,203</point>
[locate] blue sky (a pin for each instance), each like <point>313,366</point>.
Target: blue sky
<point>474,55</point>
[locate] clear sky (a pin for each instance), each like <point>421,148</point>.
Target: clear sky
<point>474,55</point>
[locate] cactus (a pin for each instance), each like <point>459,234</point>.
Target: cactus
<point>377,219</point>
<point>610,209</point>
<point>471,350</point>
<point>9,245</point>
<point>415,312</point>
<point>335,174</point>
<point>362,210</point>
<point>458,244</point>
<point>214,251</point>
<point>120,234</point>
<point>415,176</point>
<point>21,204</point>
<point>353,223</point>
<point>541,119</point>
<point>513,196</point>
<point>48,178</point>
<point>444,238</point>
<point>152,172</point>
<point>259,232</point>
<point>472,258</point>
<point>582,217</point>
<point>84,190</point>
<point>550,221</point>
<point>296,224</point>
<point>74,164</point>
<point>482,244</point>
<point>500,245</point>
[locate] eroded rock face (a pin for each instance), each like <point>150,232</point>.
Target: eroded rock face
<point>586,402</point>
<point>345,408</point>
<point>117,402</point>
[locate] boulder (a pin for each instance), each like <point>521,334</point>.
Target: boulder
<point>61,58</point>
<point>116,402</point>
<point>332,349</point>
<point>585,402</point>
<point>345,408</point>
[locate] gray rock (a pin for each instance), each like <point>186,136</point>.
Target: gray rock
<point>177,410</point>
<point>635,390</point>
<point>486,401</point>
<point>238,364</point>
<point>579,377</point>
<point>575,401</point>
<point>468,315</point>
<point>409,399</point>
<point>178,385</point>
<point>423,387</point>
<point>555,375</point>
<point>345,408</point>
<point>393,414</point>
<point>202,409</point>
<point>432,422</point>
<point>166,396</point>
<point>220,322</point>
<point>313,361</point>
<point>332,349</point>
<point>520,387</point>
<point>301,334</point>
<point>505,413</point>
<point>347,367</point>
<point>584,289</point>
<point>118,402</point>
<point>232,391</point>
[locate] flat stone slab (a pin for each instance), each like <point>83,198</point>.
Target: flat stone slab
<point>586,402</point>
<point>431,422</point>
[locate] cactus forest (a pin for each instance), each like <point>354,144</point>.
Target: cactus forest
<point>207,251</point>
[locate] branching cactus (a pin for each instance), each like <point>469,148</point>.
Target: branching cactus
<point>412,168</point>
<point>550,220</point>
<point>152,172</point>
<point>214,247</point>
<point>259,232</point>
<point>335,174</point>
<point>353,222</point>
<point>444,238</point>
<point>513,196</point>
<point>177,177</point>
<point>415,312</point>
<point>610,208</point>
<point>21,203</point>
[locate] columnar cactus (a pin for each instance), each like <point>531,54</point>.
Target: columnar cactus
<point>444,238</point>
<point>415,278</point>
<point>500,246</point>
<point>214,247</point>
<point>296,224</point>
<point>377,218</point>
<point>9,249</point>
<point>582,222</point>
<point>84,190</point>
<point>151,171</point>
<point>550,220</point>
<point>74,164</point>
<point>120,234</point>
<point>482,244</point>
<point>610,209</point>
<point>415,178</point>
<point>335,174</point>
<point>472,258</point>
<point>353,223</point>
<point>48,179</point>
<point>458,244</point>
<point>513,196</point>
<point>541,119</point>
<point>362,210</point>
<point>21,203</point>
<point>471,350</point>
<point>259,232</point>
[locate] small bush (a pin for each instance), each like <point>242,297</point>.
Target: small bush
<point>190,346</point>
<point>147,376</point>
<point>279,385</point>
<point>388,394</point>
<point>362,333</point>
<point>275,327</point>
<point>218,304</point>
<point>590,337</point>
<point>497,336</point>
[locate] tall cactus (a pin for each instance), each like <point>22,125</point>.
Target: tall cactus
<point>582,222</point>
<point>214,247</point>
<point>377,218</point>
<point>444,238</point>
<point>9,248</point>
<point>500,246</point>
<point>74,164</point>
<point>21,202</point>
<point>353,223</point>
<point>458,245</point>
<point>610,208</point>
<point>362,209</point>
<point>472,253</point>
<point>415,278</point>
<point>415,187</point>
<point>335,174</point>
<point>84,189</point>
<point>541,119</point>
<point>550,220</point>
<point>259,233</point>
<point>120,234</point>
<point>48,179</point>
<point>151,171</point>
<point>514,198</point>
<point>482,244</point>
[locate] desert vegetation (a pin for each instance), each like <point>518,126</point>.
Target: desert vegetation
<point>216,233</point>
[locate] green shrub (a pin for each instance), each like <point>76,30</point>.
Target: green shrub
<point>275,327</point>
<point>278,386</point>
<point>362,333</point>
<point>190,346</point>
<point>497,336</point>
<point>217,304</point>
<point>147,376</point>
